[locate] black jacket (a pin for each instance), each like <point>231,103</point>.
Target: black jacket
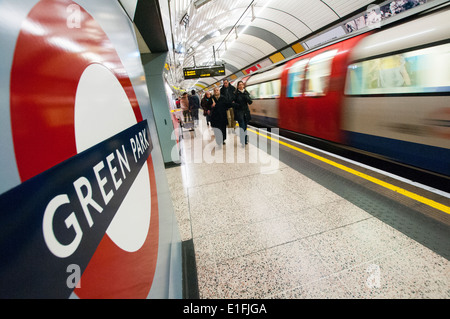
<point>219,112</point>
<point>194,102</point>
<point>241,103</point>
<point>228,94</point>
<point>207,103</point>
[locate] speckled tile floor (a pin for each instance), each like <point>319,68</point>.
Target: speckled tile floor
<point>262,229</point>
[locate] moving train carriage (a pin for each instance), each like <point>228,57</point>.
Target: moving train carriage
<point>264,88</point>
<point>352,93</point>
<point>312,91</point>
<point>397,93</point>
<point>304,95</point>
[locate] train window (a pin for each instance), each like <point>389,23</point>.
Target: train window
<point>276,88</point>
<point>265,90</point>
<point>296,76</point>
<point>254,91</point>
<point>318,73</point>
<point>420,71</point>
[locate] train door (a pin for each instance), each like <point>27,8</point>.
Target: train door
<point>320,105</point>
<point>324,90</point>
<point>291,108</point>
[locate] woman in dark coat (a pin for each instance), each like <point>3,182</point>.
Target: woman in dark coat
<point>219,117</point>
<point>242,100</point>
<point>207,106</point>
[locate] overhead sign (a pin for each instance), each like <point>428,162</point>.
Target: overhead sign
<point>195,73</point>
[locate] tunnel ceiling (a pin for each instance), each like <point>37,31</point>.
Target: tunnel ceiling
<point>243,31</point>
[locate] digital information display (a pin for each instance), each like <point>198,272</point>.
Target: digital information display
<point>195,73</point>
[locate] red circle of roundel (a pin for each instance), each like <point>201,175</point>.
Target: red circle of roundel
<point>48,62</point>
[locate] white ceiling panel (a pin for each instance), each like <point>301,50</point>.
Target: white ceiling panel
<point>282,31</point>
<point>263,27</point>
<point>344,7</point>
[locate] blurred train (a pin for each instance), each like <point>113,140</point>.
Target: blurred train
<point>384,92</point>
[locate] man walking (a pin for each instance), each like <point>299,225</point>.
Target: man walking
<point>228,91</point>
<point>194,105</point>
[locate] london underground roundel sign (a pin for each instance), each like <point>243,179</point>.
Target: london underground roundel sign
<point>71,99</point>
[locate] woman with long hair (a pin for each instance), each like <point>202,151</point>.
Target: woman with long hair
<point>242,100</point>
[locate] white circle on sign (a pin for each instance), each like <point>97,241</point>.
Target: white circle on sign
<point>102,110</point>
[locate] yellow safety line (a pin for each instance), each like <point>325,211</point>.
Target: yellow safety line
<point>421,199</point>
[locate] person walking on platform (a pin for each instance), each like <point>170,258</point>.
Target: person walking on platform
<point>184,103</point>
<point>242,100</point>
<point>194,105</point>
<point>227,91</point>
<point>206,104</point>
<point>219,117</point>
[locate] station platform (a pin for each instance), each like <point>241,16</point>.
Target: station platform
<point>277,219</point>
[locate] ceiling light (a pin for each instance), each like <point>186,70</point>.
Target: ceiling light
<point>214,34</point>
<point>200,3</point>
